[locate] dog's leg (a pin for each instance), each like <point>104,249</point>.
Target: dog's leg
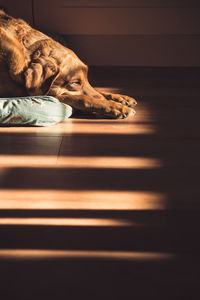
<point>110,109</point>
<point>123,99</point>
<point>12,52</point>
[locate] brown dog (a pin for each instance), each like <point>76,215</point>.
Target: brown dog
<point>32,63</point>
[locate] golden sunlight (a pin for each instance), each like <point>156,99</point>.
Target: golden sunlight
<point>73,199</point>
<point>77,162</point>
<point>67,127</point>
<point>140,123</point>
<point>66,254</point>
<point>67,222</point>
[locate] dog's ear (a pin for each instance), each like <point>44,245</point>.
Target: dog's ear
<point>40,76</point>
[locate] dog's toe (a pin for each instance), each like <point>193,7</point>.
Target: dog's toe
<point>130,102</point>
<point>128,114</point>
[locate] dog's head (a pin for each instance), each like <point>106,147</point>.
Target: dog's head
<point>72,79</point>
<point>60,73</point>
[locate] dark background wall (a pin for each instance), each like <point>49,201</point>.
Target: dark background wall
<point>120,32</point>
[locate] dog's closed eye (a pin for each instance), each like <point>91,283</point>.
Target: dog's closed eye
<point>74,85</point>
<point>75,82</point>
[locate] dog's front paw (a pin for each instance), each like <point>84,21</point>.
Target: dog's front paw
<point>123,99</point>
<point>119,111</point>
<point>128,101</point>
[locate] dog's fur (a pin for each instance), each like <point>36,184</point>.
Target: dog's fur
<point>31,63</point>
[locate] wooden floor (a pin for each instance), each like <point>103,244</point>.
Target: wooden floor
<point>106,209</point>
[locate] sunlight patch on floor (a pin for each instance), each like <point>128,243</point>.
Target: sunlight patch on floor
<point>67,222</point>
<point>38,254</point>
<point>116,162</point>
<point>78,199</point>
<point>86,128</point>
<point>140,123</point>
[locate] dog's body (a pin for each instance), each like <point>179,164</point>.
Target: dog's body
<point>31,63</point>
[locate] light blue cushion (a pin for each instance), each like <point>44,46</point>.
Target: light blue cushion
<point>33,110</point>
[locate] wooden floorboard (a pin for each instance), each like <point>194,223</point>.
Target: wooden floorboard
<point>106,209</point>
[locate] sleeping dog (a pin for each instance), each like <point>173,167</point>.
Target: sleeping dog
<point>31,63</point>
